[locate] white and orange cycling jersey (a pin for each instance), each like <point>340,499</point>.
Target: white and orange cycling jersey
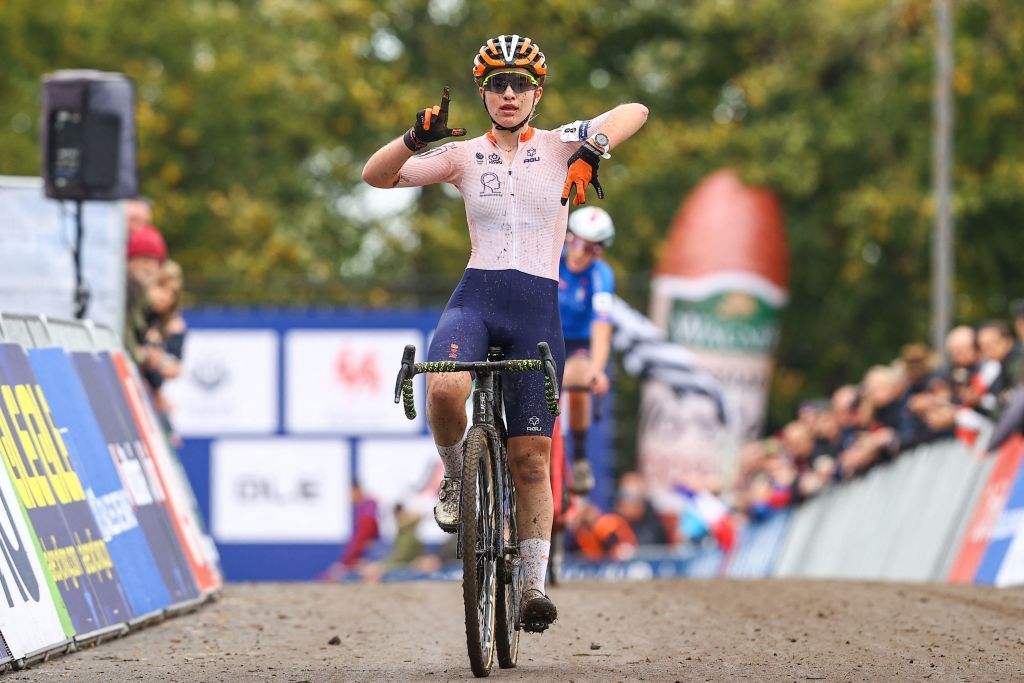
<point>514,209</point>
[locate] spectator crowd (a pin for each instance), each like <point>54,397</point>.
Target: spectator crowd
<point>154,331</point>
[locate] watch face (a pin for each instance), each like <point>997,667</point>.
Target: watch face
<point>601,139</point>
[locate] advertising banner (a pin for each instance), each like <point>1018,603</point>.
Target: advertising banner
<point>32,614</point>
<point>719,290</point>
<point>228,383</point>
<point>998,566</point>
<point>285,490</point>
<point>136,469</point>
<point>343,381</point>
<point>988,511</point>
<point>179,497</point>
<point>110,502</point>
<point>50,490</point>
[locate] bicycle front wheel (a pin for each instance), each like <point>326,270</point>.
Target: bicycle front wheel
<point>510,575</point>
<point>479,545</point>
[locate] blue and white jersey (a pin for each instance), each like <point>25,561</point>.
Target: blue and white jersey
<point>584,297</point>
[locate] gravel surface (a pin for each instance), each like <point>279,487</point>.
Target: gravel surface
<point>658,630</point>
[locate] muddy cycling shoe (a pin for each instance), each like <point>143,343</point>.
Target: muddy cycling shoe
<point>446,511</point>
<point>537,612</point>
<point>582,478</point>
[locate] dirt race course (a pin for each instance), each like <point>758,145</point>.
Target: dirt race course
<point>661,630</point>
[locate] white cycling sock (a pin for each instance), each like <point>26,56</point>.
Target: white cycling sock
<point>533,553</point>
<point>451,456</point>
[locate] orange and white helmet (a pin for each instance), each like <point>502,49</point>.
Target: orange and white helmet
<point>508,52</point>
<point>592,224</point>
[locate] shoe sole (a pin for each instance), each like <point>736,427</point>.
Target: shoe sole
<point>447,529</point>
<point>537,618</point>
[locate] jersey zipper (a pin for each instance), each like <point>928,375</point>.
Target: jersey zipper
<point>512,209</point>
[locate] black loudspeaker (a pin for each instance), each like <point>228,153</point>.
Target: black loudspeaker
<point>88,131</point>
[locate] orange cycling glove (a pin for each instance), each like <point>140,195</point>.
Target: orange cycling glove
<point>431,125</point>
<point>582,172</point>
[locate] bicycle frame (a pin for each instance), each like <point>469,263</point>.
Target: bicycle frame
<point>487,533</point>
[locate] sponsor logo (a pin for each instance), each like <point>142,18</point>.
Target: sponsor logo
<point>479,158</point>
<point>533,424</point>
<point>210,372</point>
<point>492,185</point>
<point>453,351</point>
<point>358,371</point>
<point>257,488</point>
<point>531,155</point>
<point>494,158</point>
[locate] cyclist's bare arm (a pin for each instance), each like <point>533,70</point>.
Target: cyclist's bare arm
<point>600,344</point>
<point>384,167</point>
<point>622,122</point>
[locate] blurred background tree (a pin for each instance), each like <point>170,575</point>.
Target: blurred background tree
<point>255,117</point>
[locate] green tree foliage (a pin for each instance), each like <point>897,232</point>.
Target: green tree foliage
<point>255,117</point>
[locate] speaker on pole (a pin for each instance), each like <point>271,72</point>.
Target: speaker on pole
<point>88,130</point>
<point>88,145</point>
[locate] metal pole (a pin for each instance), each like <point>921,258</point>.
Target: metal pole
<point>942,152</point>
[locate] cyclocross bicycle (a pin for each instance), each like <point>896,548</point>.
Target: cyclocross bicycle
<point>488,540</point>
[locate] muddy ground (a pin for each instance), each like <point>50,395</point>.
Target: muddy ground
<point>659,630</point>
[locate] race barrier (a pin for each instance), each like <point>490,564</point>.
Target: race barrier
<point>934,514</point>
<point>99,532</point>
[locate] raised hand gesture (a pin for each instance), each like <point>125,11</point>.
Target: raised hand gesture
<point>432,125</point>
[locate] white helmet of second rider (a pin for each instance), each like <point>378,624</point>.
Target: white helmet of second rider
<point>592,224</point>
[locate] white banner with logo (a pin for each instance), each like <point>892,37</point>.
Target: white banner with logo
<point>228,384</point>
<point>404,471</point>
<point>343,381</point>
<point>280,490</point>
<point>28,615</point>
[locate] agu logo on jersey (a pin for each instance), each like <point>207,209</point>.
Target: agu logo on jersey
<point>492,185</point>
<point>531,155</point>
<point>533,424</point>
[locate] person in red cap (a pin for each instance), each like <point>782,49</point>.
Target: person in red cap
<point>146,252</point>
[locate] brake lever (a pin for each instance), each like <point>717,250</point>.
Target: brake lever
<point>406,372</point>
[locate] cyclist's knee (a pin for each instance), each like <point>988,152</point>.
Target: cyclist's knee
<point>448,394</point>
<point>529,465</point>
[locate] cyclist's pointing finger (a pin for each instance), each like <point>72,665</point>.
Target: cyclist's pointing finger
<point>445,97</point>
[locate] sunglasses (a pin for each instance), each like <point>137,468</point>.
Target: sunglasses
<point>502,80</point>
<point>583,245</point>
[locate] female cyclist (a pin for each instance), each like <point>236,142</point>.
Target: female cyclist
<point>515,181</point>
<point>586,286</point>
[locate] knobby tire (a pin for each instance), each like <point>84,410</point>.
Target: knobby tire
<point>479,566</point>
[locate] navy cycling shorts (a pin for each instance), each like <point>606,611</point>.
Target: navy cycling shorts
<point>513,310</point>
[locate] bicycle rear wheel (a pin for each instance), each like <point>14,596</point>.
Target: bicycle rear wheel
<point>478,540</point>
<point>511,575</point>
